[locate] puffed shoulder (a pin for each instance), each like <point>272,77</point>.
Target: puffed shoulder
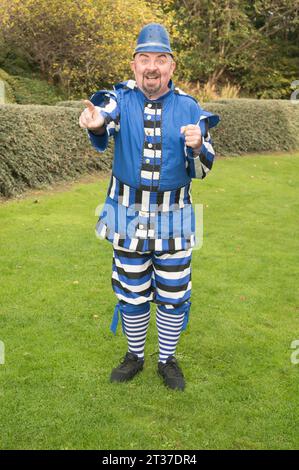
<point>128,85</point>
<point>213,119</point>
<point>103,97</point>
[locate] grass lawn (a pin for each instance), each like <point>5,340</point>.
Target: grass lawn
<point>56,304</point>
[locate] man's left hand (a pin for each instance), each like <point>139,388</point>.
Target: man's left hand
<point>193,136</point>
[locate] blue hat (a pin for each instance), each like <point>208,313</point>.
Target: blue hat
<point>153,38</point>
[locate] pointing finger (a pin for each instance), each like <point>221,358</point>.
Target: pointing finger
<point>89,105</point>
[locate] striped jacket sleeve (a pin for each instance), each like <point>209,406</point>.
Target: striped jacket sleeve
<point>200,164</point>
<point>107,104</point>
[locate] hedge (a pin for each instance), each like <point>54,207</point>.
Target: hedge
<point>44,144</point>
<point>71,104</point>
<point>249,125</point>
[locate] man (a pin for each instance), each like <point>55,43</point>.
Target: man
<point>161,142</point>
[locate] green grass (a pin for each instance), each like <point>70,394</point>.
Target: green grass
<point>242,389</point>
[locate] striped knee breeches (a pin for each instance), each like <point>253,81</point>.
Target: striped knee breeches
<point>141,277</point>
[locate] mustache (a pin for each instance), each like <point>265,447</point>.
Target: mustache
<point>152,75</point>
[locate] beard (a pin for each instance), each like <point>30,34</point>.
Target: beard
<point>151,83</point>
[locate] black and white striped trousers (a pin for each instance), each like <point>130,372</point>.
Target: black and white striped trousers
<point>161,277</point>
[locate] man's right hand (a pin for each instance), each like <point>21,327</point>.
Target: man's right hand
<point>90,118</point>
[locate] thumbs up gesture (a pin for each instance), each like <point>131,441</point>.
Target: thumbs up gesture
<point>91,118</point>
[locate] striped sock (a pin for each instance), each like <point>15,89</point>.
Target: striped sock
<point>169,329</point>
<point>135,327</point>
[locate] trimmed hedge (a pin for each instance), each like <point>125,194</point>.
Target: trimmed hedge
<point>249,125</point>
<point>43,144</point>
<point>71,104</point>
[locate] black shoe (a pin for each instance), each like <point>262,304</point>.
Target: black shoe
<point>127,369</point>
<point>171,373</point>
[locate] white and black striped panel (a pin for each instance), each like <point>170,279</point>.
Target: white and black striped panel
<point>144,198</point>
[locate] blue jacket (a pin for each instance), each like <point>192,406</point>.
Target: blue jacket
<point>149,204</point>
<point>129,121</point>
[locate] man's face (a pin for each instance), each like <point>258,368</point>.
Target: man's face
<point>153,71</point>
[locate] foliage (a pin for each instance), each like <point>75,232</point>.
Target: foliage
<point>25,90</point>
<point>78,45</point>
<point>43,144</point>
<point>9,94</point>
<point>84,46</point>
<point>249,125</point>
<point>208,92</point>
<point>14,60</point>
<point>71,104</point>
<point>254,44</point>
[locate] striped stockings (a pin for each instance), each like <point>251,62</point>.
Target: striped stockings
<point>135,327</point>
<point>169,330</point>
<point>165,278</point>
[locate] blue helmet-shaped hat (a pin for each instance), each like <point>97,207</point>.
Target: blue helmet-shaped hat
<point>153,38</point>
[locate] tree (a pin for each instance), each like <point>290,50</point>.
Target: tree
<point>236,39</point>
<point>79,45</point>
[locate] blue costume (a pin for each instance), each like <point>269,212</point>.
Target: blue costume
<point>152,168</point>
<point>148,205</point>
<point>148,214</point>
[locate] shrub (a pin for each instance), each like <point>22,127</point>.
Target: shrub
<point>43,144</point>
<point>254,125</point>
<point>71,104</point>
<point>25,90</point>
